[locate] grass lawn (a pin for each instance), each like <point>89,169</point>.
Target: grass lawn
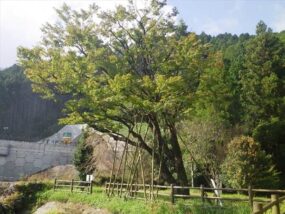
<point>133,206</point>
<point>30,196</point>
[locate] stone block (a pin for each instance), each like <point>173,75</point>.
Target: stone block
<point>3,160</point>
<point>20,162</point>
<point>38,163</point>
<point>21,154</point>
<point>4,150</point>
<point>28,168</point>
<point>30,158</point>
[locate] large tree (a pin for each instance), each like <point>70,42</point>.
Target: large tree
<point>123,68</point>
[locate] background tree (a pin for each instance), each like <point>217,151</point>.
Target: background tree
<point>82,157</point>
<point>262,81</point>
<point>135,67</point>
<point>246,164</point>
<point>271,136</point>
<point>205,148</point>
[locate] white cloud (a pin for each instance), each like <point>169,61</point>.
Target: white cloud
<point>21,20</point>
<point>279,25</point>
<point>237,7</point>
<point>279,21</point>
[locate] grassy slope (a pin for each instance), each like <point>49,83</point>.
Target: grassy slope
<point>119,205</point>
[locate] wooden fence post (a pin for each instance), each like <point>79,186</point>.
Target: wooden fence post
<point>172,194</point>
<point>91,187</point>
<point>54,185</point>
<point>275,208</point>
<point>250,196</point>
<point>202,193</point>
<point>257,208</point>
<point>71,186</point>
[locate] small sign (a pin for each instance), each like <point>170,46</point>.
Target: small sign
<point>89,178</point>
<point>66,137</point>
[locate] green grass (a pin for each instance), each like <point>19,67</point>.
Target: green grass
<point>97,199</point>
<point>133,206</point>
<point>35,195</point>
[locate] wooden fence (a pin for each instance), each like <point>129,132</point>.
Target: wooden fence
<point>73,186</point>
<point>258,208</point>
<point>203,193</point>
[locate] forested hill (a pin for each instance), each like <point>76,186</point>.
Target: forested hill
<point>24,115</point>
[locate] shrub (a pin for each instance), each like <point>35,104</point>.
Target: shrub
<point>246,164</point>
<point>21,197</point>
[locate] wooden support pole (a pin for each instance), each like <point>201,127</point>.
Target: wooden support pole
<point>202,193</point>
<point>152,172</point>
<point>172,194</point>
<point>275,208</point>
<point>250,196</point>
<point>71,186</point>
<point>142,174</point>
<point>54,185</point>
<point>91,186</point>
<point>192,173</point>
<point>113,167</point>
<point>106,189</point>
<point>257,208</point>
<point>124,169</point>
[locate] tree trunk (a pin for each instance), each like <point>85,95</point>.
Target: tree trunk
<point>179,164</point>
<point>174,155</point>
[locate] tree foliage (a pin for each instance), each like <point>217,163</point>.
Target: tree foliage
<point>82,157</point>
<point>262,81</point>
<point>247,164</point>
<point>133,66</point>
<point>138,67</point>
<point>271,136</point>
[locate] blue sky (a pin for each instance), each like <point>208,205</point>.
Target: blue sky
<point>20,20</point>
<point>233,16</point>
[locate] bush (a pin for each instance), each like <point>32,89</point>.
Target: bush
<point>21,196</point>
<point>246,164</point>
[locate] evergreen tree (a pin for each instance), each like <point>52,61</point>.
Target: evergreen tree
<point>82,156</point>
<point>262,80</point>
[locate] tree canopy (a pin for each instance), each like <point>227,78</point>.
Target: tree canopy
<point>131,66</point>
<point>133,69</point>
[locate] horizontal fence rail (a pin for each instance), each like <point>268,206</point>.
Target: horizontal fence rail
<point>73,185</point>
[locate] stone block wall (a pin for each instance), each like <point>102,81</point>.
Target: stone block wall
<point>25,158</point>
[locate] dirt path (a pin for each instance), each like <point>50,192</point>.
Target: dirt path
<point>67,208</point>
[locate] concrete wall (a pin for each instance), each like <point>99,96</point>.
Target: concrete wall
<point>18,158</point>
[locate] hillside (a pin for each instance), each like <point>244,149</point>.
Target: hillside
<point>24,115</point>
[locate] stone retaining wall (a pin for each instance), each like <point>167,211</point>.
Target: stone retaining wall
<point>18,159</point>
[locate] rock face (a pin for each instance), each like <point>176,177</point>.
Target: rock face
<point>18,158</point>
<point>62,172</point>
